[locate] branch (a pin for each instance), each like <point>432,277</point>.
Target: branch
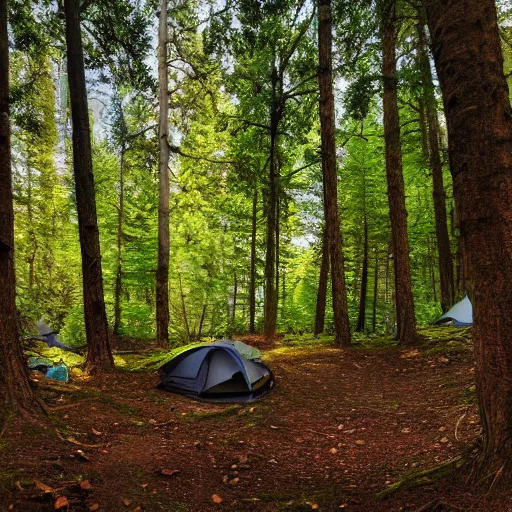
<point>141,132</point>
<point>177,150</point>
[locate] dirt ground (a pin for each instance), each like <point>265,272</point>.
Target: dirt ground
<point>339,427</point>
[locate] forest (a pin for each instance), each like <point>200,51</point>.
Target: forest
<point>328,183</point>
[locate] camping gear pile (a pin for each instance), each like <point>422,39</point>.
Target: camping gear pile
<point>224,371</point>
<point>55,371</point>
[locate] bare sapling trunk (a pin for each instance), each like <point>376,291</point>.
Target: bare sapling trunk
<point>405,317</point>
<point>469,62</point>
<point>252,279</point>
<point>271,295</point>
<point>162,270</point>
<point>329,165</point>
<point>361,318</point>
<point>99,355</point>
<point>321,296</point>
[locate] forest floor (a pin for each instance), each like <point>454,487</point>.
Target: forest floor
<point>338,428</point>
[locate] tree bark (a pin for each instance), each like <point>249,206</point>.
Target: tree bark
<point>436,166</point>
<point>16,393</point>
<point>184,309</point>
<point>120,239</point>
<point>321,296</point>
<point>270,319</point>
<point>235,293</point>
<point>162,271</point>
<point>361,318</point>
<point>375,292</point>
<point>99,355</point>
<point>332,219</point>
<point>469,62</point>
<point>252,279</point>
<point>406,321</point>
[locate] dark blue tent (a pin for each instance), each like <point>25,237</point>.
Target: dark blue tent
<point>217,373</point>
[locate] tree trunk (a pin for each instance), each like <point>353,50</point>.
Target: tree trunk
<point>16,393</point>
<point>436,167</point>
<point>270,319</point>
<point>120,222</point>
<point>235,293</point>
<point>332,220</point>
<point>99,356</point>
<point>201,322</point>
<point>184,309</point>
<point>321,296</point>
<point>361,318</point>
<point>406,321</point>
<point>479,121</point>
<point>252,279</point>
<point>375,292</point>
<point>162,271</point>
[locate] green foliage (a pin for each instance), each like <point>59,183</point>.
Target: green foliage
<point>222,68</point>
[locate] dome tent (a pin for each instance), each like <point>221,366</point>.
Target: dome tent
<point>460,315</point>
<point>216,372</point>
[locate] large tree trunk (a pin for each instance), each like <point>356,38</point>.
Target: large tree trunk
<point>436,166</point>
<point>162,271</point>
<point>479,120</point>
<point>99,356</point>
<point>332,219</point>
<point>361,318</point>
<point>252,279</point>
<point>15,390</point>
<point>406,321</point>
<point>321,296</point>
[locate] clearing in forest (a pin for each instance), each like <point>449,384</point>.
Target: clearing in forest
<point>340,427</point>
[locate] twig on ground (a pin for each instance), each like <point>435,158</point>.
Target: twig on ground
<point>69,406</point>
<point>459,422</point>
<point>496,478</point>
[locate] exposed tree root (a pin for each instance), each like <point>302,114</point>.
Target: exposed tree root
<point>425,477</point>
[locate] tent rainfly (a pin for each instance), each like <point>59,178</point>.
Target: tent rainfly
<point>217,372</point>
<point>460,315</point>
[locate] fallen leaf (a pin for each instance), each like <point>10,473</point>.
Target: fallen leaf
<point>411,353</point>
<point>85,485</point>
<point>43,487</point>
<point>234,481</point>
<point>94,507</point>
<point>442,429</point>
<point>61,502</point>
<point>315,506</point>
<point>273,426</point>
<point>333,450</point>
<point>11,506</point>
<point>216,498</point>
<point>96,432</point>
<point>406,430</point>
<point>169,472</point>
<point>18,485</point>
<point>144,485</point>
<point>137,509</point>
<point>360,442</point>
<point>252,409</point>
<point>127,502</point>
<point>444,440</point>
